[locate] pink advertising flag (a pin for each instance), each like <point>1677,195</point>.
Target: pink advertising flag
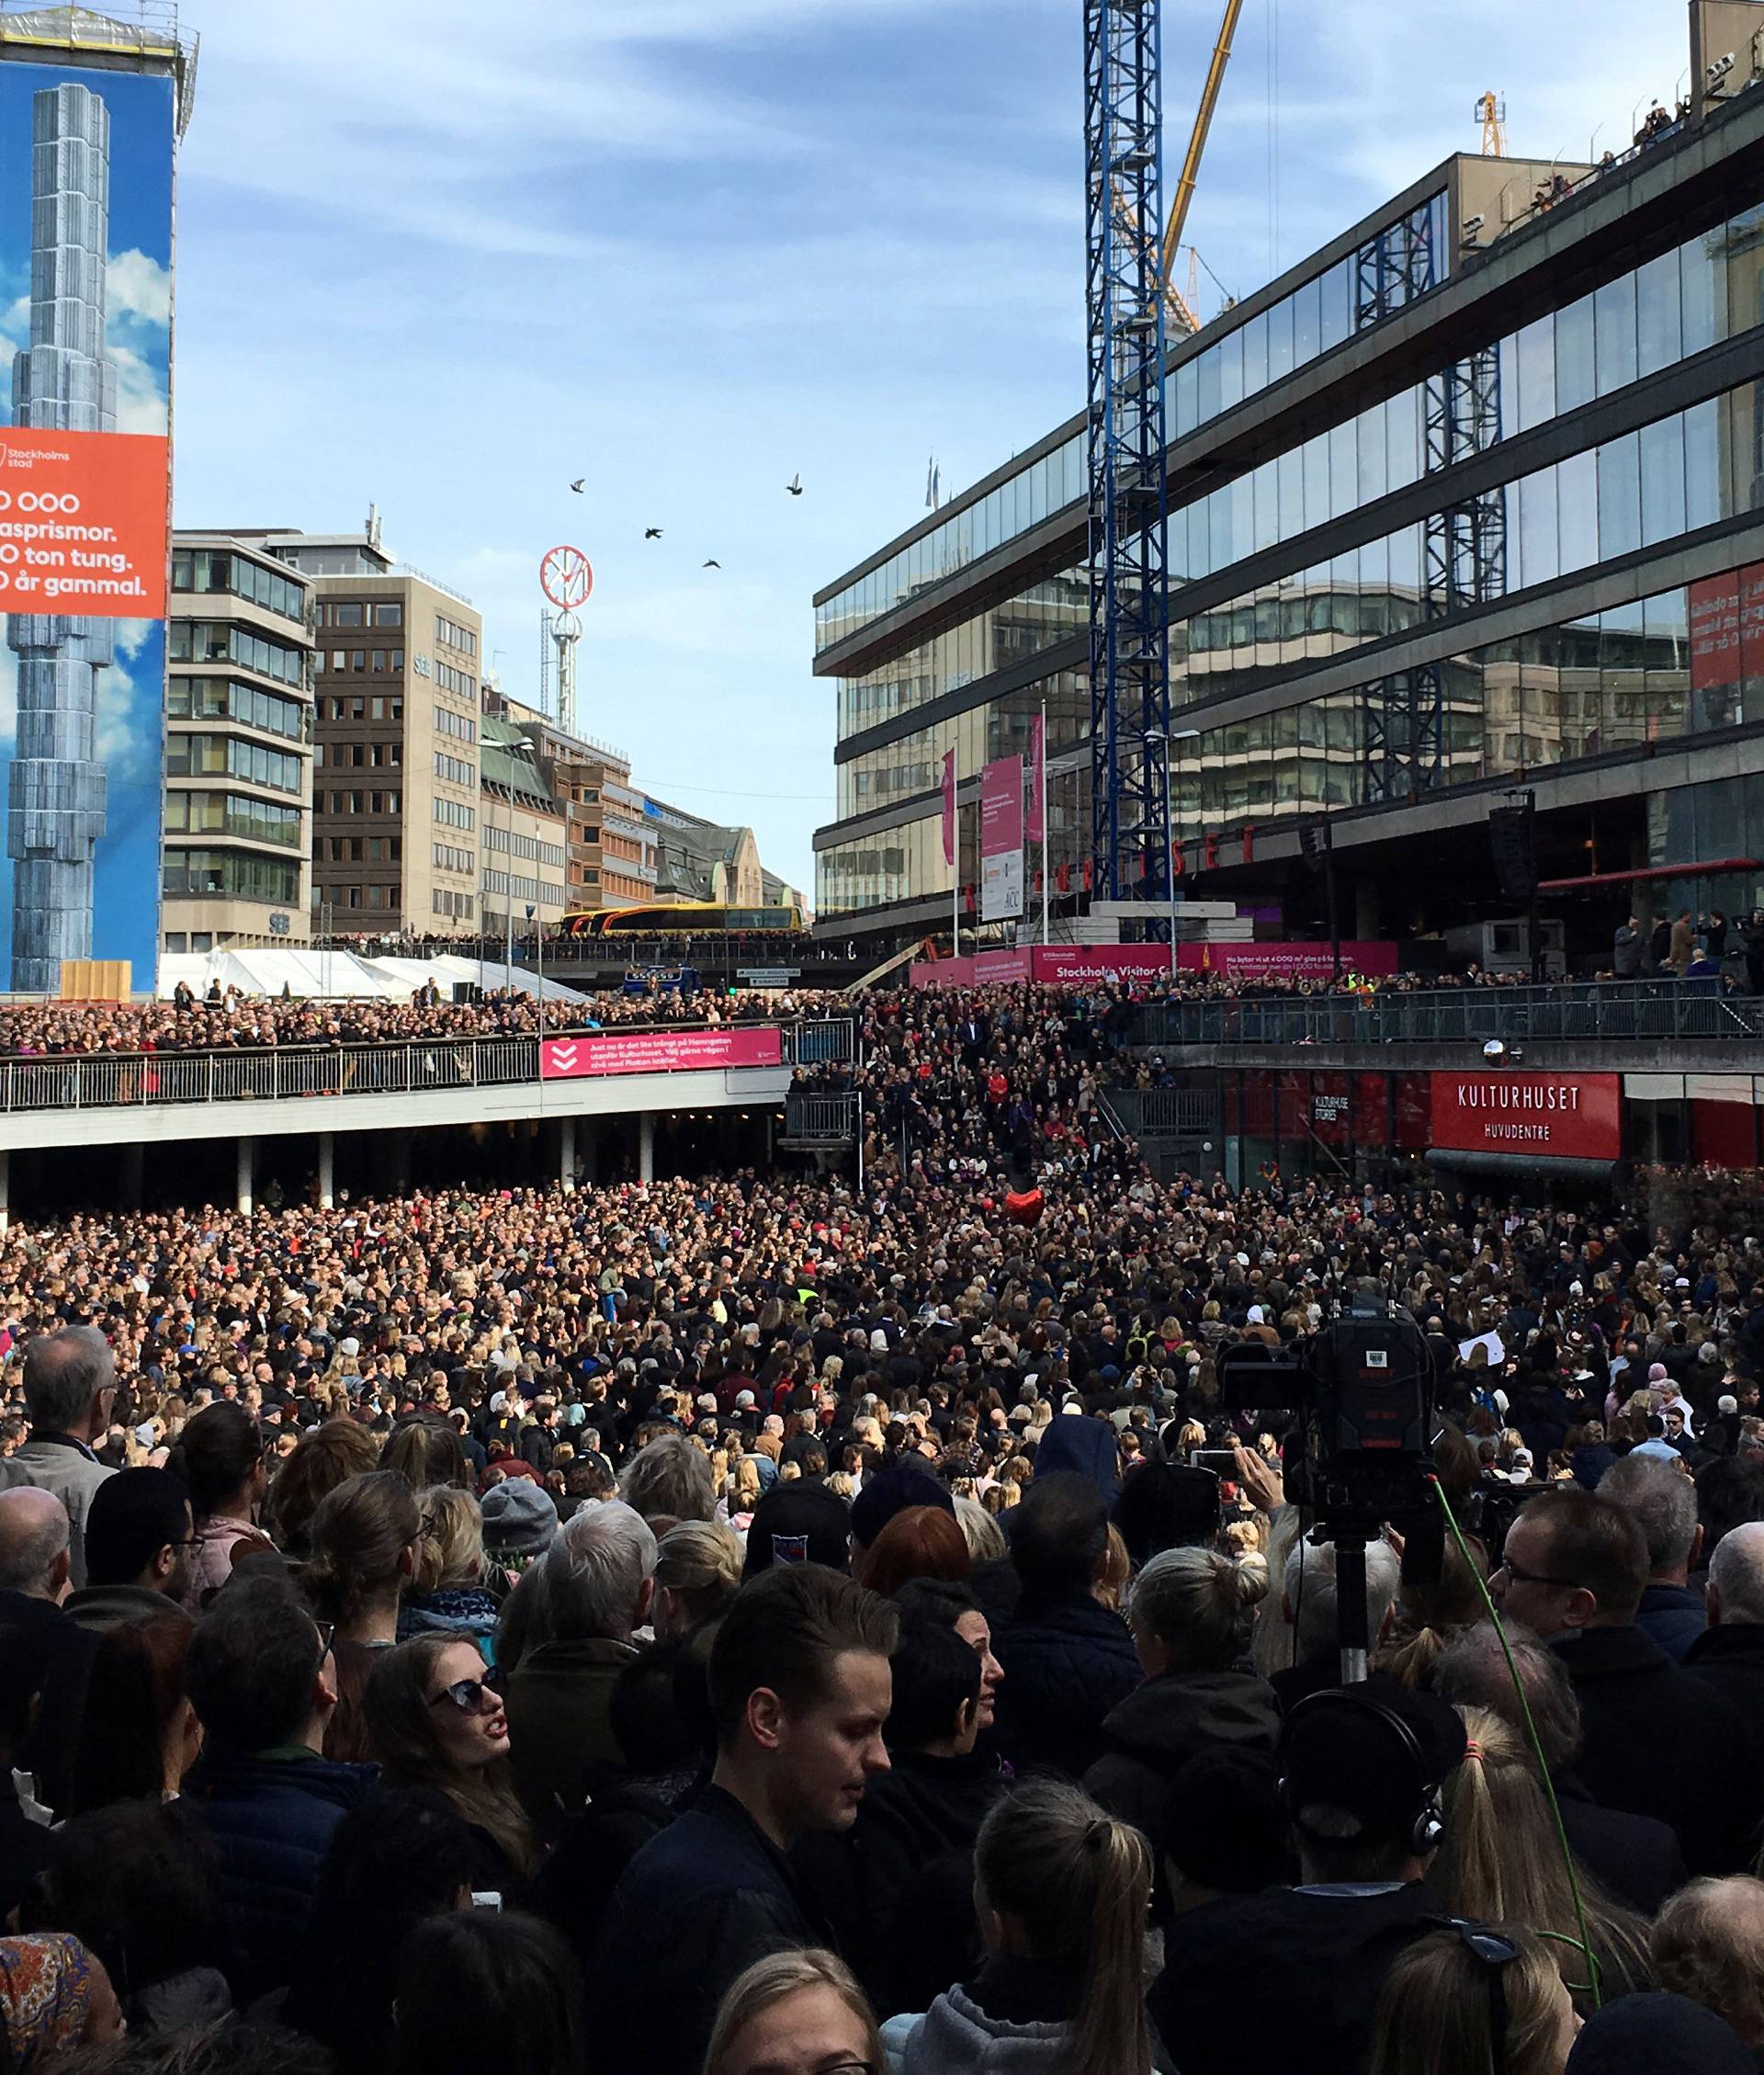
<point>949,806</point>
<point>1037,758</point>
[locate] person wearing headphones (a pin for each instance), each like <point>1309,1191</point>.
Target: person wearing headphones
<point>1290,1976</point>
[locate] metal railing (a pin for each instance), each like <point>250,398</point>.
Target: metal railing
<point>422,1066</point>
<point>1162,1113</point>
<point>1567,1010</point>
<point>832,1120</point>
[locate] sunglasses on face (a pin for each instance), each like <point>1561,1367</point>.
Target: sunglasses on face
<point>471,1696</point>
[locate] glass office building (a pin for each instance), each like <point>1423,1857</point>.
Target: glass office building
<point>1473,498</point>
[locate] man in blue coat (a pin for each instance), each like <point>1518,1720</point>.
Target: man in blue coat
<point>261,1678</point>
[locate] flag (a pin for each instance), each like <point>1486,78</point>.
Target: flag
<point>933,484</point>
<point>1036,829</point>
<point>949,806</point>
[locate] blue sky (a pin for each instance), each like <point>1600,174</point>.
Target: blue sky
<point>446,257</point>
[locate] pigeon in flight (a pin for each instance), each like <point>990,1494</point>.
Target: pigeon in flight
<point>713,565</point>
<point>577,485</point>
<point>795,486</point>
<point>651,533</point>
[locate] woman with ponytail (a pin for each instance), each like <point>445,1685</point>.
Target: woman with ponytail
<point>221,1460</point>
<point>1500,1863</point>
<point>1062,1891</point>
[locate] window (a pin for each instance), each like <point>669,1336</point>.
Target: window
<point>451,814</point>
<point>347,613</point>
<point>456,906</point>
<point>227,813</point>
<point>462,726</point>
<point>452,770</point>
<point>455,635</point>
<point>201,641</point>
<point>205,569</point>
<point>216,699</point>
<point>208,872</point>
<point>460,683</point>
<point>357,658</point>
<point>390,615</point>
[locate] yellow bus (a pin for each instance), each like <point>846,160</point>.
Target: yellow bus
<point>681,918</point>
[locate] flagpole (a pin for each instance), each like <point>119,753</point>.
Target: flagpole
<point>955,845</point>
<point>1046,825</point>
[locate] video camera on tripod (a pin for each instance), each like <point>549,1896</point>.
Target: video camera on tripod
<point>1361,1394</point>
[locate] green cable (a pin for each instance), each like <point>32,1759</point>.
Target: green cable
<point>1591,1987</point>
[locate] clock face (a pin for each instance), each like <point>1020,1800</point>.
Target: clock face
<point>566,578</point>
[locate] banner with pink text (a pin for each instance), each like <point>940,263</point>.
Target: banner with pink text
<point>658,1051</point>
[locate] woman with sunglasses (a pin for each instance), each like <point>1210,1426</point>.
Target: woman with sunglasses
<point>435,1718</point>
<point>1474,2000</point>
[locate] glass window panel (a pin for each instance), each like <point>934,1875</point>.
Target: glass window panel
<point>1535,351</point>
<point>1187,395</point>
<point>1279,339</point>
<point>1242,494</point>
<point>1344,467</point>
<point>1741,283</point>
<point>1266,493</point>
<point>1698,293</point>
<point>1317,480</point>
<point>1576,495</point>
<point>1199,553</point>
<point>1619,496</point>
<point>1403,438</point>
<point>1308,322</point>
<point>1658,318</point>
<point>1702,464</point>
<point>1255,353</point>
<point>1230,352</point>
<point>1613,321</point>
<point>1208,365</point>
<point>1370,455</point>
<point>1575,376</point>
<point>1662,452</point>
<point>1538,561</point>
<point>1507,380</point>
<point>1290,469</point>
<point>1742,422</point>
<point>1218,529</point>
<point>1337,288</point>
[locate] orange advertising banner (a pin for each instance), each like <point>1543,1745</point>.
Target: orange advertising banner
<point>83,522</point>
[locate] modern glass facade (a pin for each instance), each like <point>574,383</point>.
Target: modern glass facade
<point>1631,410</point>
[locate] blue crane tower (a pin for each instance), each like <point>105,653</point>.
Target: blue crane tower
<point>1130,834</point>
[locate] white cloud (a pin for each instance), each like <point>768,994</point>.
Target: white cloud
<point>137,286</point>
<point>140,394</point>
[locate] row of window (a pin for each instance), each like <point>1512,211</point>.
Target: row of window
<point>1409,257</point>
<point>376,756</point>
<point>453,770</point>
<point>193,756</point>
<point>363,612</point>
<point>371,896</point>
<point>231,813</point>
<point>358,849</point>
<point>451,814</point>
<point>460,683</point>
<point>462,726</point>
<point>378,663</point>
<point>1706,290</point>
<point>540,893</point>
<point>516,845</point>
<point>449,858</point>
<point>209,569</point>
<point>455,635</point>
<point>205,641</point>
<point>1680,662</point>
<point>360,705</point>
<point>225,699</point>
<point>457,907</point>
<point>360,802</point>
<point>238,873</point>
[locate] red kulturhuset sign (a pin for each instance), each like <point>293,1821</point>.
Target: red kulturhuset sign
<point>1565,1116</point>
<point>658,1051</point>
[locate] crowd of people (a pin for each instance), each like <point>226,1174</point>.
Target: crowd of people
<point>765,1626</point>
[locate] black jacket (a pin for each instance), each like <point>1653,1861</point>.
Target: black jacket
<point>272,1819</point>
<point>1657,1741</point>
<point>1164,1723</point>
<point>1637,1858</point>
<point>60,1654</point>
<point>695,1908</point>
<point>1731,1660</point>
<point>1285,1980</point>
<point>1068,1663</point>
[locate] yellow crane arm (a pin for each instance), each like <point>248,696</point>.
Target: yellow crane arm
<point>1197,144</point>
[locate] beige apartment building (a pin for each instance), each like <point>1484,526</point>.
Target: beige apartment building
<point>396,821</point>
<point>522,833</point>
<point>577,771</point>
<point>237,840</point>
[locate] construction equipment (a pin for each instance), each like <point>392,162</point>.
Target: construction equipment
<point>1190,172</point>
<point>1181,310</point>
<point>1491,112</point>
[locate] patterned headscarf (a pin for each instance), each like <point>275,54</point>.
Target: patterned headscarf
<point>45,1993</point>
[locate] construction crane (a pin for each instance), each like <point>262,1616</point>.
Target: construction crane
<point>1491,112</point>
<point>1133,303</point>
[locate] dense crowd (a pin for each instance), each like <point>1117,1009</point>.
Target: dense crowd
<point>763,1627</point>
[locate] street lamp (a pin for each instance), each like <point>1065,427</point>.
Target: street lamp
<point>1168,738</point>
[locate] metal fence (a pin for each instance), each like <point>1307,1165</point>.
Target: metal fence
<point>123,1081</point>
<point>1163,1113</point>
<point>1573,1009</point>
<point>833,1119</point>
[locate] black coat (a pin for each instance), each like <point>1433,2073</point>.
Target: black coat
<point>1731,1660</point>
<point>1068,1663</point>
<point>694,1909</point>
<point>1637,1858</point>
<point>1657,1741</point>
<point>1164,1723</point>
<point>272,1821</point>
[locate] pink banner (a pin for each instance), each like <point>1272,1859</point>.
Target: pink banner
<point>1002,806</point>
<point>659,1051</point>
<point>943,972</point>
<point>949,806</point>
<point>1285,962</point>
<point>1037,761</point>
<point>1003,969</point>
<point>1087,965</point>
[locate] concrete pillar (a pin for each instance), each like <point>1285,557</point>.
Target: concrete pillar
<point>132,1176</point>
<point>398,1160</point>
<point>1365,911</point>
<point>6,1188</point>
<point>327,1171</point>
<point>247,1164</point>
<point>646,1147</point>
<point>588,1142</point>
<point>567,1154</point>
<point>771,1135</point>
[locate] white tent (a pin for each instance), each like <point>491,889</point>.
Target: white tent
<point>340,976</point>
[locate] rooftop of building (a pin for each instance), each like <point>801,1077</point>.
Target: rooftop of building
<point>506,764</point>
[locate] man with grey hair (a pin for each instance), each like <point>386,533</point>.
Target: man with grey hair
<point>1309,1608</point>
<point>1663,1500</point>
<point>584,1599</point>
<point>70,1381</point>
<point>55,1653</point>
<point>1729,1654</point>
<point>1637,1857</point>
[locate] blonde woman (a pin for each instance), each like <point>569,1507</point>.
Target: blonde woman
<point>698,1573</point>
<point>1438,2016</point>
<point>448,1594</point>
<point>794,2011</point>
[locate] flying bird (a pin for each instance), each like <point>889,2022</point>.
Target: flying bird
<point>713,565</point>
<point>577,485</point>
<point>651,533</point>
<point>795,486</point>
